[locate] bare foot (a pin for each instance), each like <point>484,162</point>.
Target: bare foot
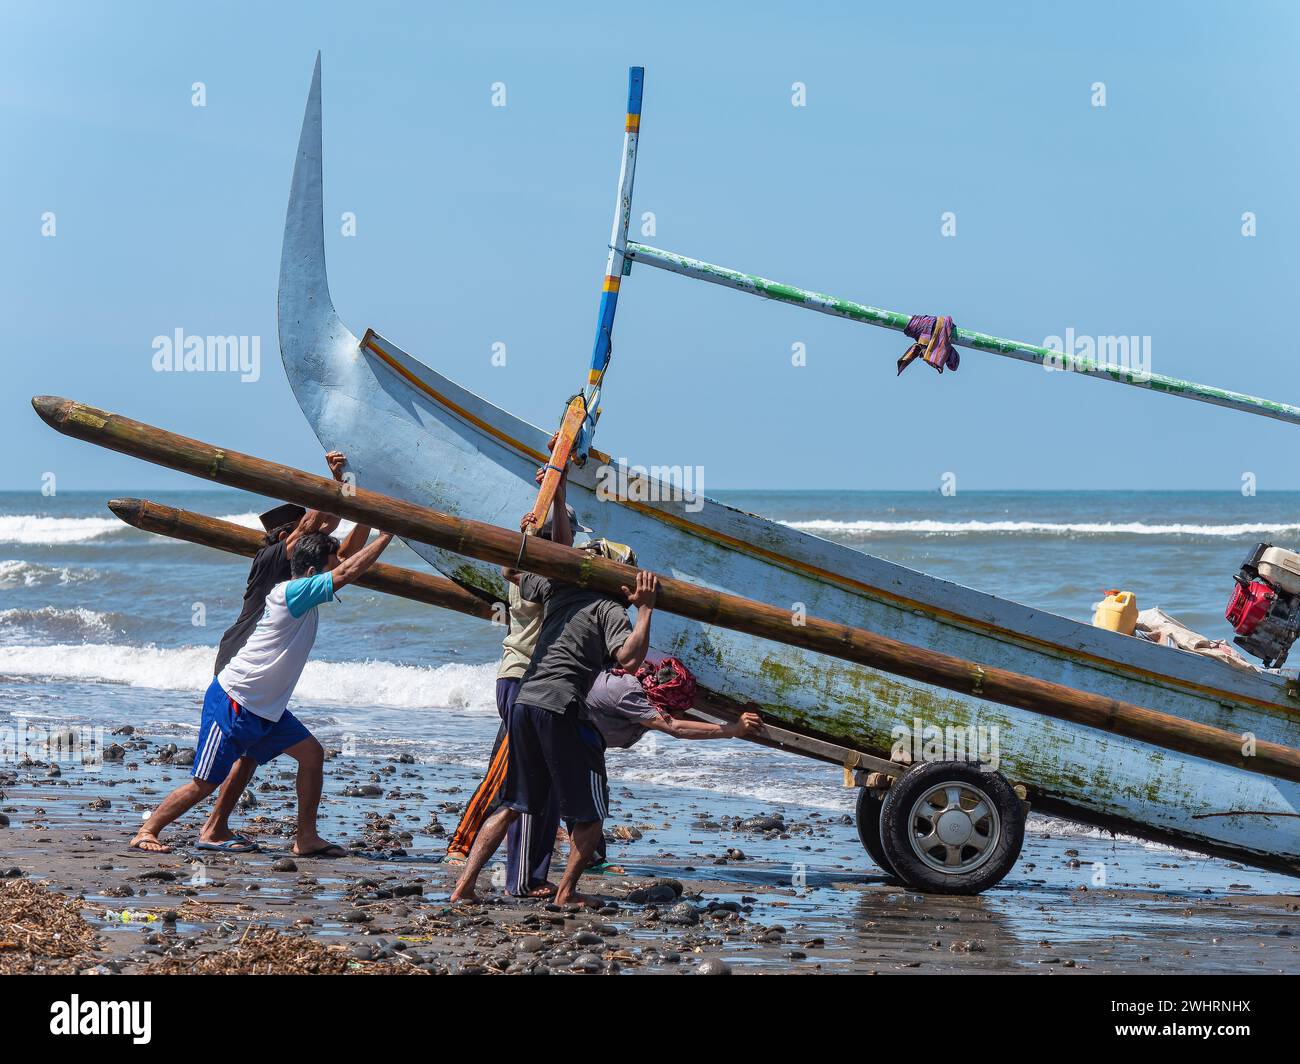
<point>572,897</point>
<point>147,842</point>
<point>544,891</point>
<point>464,895</point>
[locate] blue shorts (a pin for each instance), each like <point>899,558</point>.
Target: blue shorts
<point>228,732</point>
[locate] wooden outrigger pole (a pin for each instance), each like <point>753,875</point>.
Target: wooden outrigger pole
<point>499,546</point>
<point>235,539</point>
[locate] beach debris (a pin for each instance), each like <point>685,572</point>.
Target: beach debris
<point>263,951</point>
<point>41,931</point>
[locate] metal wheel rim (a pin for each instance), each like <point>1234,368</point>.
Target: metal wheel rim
<point>954,828</point>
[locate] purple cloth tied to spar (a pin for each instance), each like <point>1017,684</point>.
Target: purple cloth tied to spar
<point>933,336</point>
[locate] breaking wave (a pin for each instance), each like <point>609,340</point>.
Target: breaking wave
<point>360,683</point>
<point>61,624</point>
<point>36,530</point>
<point>16,573</point>
<point>1048,528</point>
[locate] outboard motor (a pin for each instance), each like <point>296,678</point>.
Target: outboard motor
<point>1264,609</point>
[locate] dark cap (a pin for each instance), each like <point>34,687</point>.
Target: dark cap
<point>282,515</point>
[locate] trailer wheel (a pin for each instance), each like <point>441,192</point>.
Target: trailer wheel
<point>868,817</point>
<point>950,828</point>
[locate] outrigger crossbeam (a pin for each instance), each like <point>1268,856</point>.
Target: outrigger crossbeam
<point>994,345</point>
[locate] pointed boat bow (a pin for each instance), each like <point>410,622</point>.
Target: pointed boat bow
<point>310,330</point>
<point>357,398</point>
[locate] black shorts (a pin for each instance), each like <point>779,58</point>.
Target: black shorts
<point>548,754</point>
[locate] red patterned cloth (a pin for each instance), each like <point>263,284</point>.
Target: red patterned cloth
<point>668,684</point>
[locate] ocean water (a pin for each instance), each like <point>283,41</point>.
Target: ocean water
<point>104,625</point>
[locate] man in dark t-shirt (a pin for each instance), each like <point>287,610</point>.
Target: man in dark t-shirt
<point>285,525</point>
<point>581,632</point>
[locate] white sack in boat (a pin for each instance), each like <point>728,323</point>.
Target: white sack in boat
<point>1156,625</point>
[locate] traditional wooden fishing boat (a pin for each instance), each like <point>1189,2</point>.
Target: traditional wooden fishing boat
<point>412,433</point>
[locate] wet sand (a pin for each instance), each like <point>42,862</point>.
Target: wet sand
<point>704,884</point>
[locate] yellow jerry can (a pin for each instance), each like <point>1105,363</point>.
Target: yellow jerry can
<point>1117,612</point>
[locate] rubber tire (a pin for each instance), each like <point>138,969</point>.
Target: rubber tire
<point>868,818</point>
<point>895,829</point>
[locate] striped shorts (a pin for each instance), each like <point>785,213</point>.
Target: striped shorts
<point>228,732</point>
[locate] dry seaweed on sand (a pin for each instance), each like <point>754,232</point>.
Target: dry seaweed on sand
<point>40,929</point>
<point>263,951</point>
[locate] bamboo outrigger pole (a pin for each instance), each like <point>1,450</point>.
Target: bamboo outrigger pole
<point>235,539</point>
<point>500,546</point>
<point>890,319</point>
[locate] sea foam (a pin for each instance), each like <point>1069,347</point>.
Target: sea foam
<point>77,622</point>
<point>189,669</point>
<point>16,573</point>
<point>38,530</point>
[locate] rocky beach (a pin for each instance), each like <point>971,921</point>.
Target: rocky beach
<point>699,884</point>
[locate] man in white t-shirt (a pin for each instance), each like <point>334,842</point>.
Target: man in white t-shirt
<point>244,710</point>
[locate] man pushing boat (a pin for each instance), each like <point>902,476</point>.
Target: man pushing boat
<point>582,631</point>
<point>530,840</point>
<point>580,693</point>
<point>285,525</point>
<point>624,706</point>
<point>245,713</point>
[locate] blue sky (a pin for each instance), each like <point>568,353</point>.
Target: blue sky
<point>479,224</point>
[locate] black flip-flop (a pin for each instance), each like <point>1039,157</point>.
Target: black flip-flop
<point>239,844</point>
<point>332,851</point>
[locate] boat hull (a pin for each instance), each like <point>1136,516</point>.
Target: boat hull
<point>412,433</point>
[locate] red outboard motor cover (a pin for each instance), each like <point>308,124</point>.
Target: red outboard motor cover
<point>1250,604</point>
